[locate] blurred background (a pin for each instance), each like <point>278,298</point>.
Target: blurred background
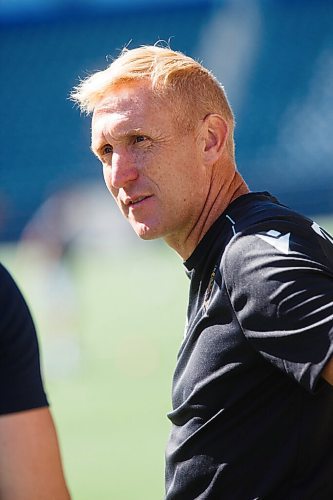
<point>110,308</point>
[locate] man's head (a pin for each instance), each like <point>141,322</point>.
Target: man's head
<point>163,130</point>
<point>181,82</point>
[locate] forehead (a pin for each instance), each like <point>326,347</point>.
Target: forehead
<point>127,104</point>
<point>124,96</point>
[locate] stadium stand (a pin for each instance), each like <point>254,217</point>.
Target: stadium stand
<point>283,117</point>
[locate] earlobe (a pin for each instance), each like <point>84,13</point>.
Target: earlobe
<point>216,133</point>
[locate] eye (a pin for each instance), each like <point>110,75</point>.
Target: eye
<point>107,149</point>
<point>139,138</point>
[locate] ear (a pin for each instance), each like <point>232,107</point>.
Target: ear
<point>215,132</point>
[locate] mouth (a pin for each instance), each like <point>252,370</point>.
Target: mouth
<point>138,200</point>
<point>131,202</point>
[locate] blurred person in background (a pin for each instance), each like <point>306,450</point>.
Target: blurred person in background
<point>252,395</point>
<point>30,461</point>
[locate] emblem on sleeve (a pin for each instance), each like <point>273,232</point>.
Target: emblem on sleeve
<point>277,240</point>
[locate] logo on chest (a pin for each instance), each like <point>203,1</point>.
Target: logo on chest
<point>208,293</point>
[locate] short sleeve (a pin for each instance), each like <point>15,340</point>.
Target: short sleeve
<point>21,386</point>
<point>280,283</point>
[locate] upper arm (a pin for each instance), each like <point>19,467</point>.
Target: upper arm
<point>30,463</point>
<point>281,288</point>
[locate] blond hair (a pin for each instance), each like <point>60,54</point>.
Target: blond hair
<point>192,90</point>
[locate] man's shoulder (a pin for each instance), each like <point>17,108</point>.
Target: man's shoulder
<point>253,210</point>
<point>275,236</point>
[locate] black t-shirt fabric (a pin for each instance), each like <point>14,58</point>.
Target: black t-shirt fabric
<point>21,386</point>
<point>252,418</point>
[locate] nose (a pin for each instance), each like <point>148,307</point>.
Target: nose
<point>122,170</point>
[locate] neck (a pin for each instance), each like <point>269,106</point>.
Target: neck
<point>220,194</point>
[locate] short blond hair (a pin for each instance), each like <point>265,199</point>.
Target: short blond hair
<point>191,88</point>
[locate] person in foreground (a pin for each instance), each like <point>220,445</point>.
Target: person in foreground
<point>30,461</point>
<point>252,392</point>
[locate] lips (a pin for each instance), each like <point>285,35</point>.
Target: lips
<point>135,200</point>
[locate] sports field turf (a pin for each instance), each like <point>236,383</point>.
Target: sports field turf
<point>110,325</point>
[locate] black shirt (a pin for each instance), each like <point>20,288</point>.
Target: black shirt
<point>252,419</point>
<point>21,386</point>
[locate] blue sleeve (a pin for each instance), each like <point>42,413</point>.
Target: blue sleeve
<point>21,386</point>
<point>280,282</point>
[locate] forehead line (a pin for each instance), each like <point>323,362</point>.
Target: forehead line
<point>117,124</point>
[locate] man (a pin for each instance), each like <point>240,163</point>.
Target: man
<point>252,392</point>
<point>30,462</point>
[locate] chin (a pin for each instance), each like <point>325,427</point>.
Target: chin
<point>146,233</point>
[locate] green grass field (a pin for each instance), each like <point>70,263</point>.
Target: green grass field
<point>109,342</point>
<point>110,396</point>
